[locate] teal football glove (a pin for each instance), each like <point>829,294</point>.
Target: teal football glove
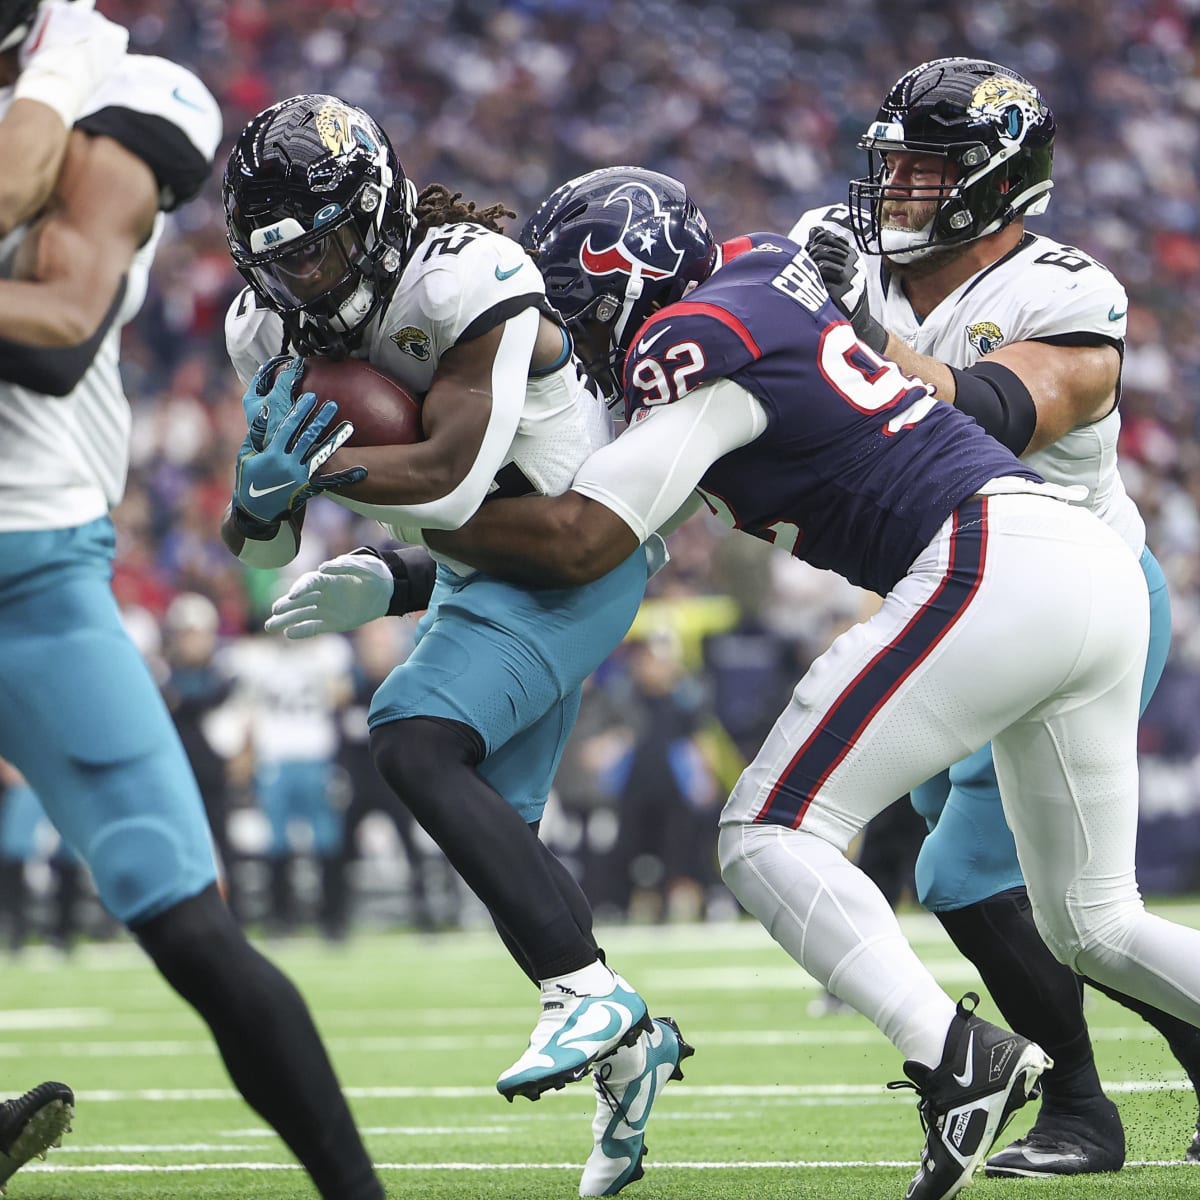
<point>284,475</point>
<point>268,399</point>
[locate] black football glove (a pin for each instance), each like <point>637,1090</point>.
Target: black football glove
<point>845,279</point>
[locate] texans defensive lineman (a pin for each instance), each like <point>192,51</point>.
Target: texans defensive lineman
<point>343,256</point>
<point>1026,335</point>
<point>80,714</point>
<point>754,391</point>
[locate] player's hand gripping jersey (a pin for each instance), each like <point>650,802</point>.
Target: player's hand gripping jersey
<point>67,455</point>
<point>460,281</point>
<point>858,465</point>
<point>1041,291</point>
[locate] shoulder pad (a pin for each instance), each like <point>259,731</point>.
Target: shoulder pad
<point>160,112</point>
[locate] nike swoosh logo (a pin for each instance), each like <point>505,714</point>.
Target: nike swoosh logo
<point>964,1080</point>
<point>187,101</point>
<point>502,275</point>
<point>1043,1158</point>
<point>256,492</point>
<point>646,342</point>
<point>1113,315</point>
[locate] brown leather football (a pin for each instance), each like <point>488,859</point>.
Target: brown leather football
<point>383,411</point>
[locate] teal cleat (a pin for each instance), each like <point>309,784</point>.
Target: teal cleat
<point>627,1083</point>
<point>572,1032</point>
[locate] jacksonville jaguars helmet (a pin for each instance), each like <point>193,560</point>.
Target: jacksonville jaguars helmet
<point>613,246</point>
<point>995,135</point>
<point>320,218</point>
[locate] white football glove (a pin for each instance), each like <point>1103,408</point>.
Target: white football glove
<point>69,53</point>
<point>340,595</point>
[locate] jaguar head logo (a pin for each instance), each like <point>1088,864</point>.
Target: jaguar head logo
<point>985,336</point>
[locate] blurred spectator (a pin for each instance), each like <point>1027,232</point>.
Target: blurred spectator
<point>28,840</point>
<point>289,694</point>
<point>666,793</point>
<point>195,689</point>
<point>433,886</point>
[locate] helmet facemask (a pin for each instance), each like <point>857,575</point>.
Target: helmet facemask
<point>993,135</point>
<point>324,246</point>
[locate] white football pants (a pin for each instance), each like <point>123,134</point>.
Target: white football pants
<point>1025,622</point>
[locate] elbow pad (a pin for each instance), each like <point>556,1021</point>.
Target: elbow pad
<point>999,401</point>
<point>54,370</point>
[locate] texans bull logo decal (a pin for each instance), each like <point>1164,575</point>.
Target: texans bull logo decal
<point>643,247</point>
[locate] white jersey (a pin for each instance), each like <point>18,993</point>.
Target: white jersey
<point>1040,291</point>
<point>460,281</point>
<point>66,458</point>
<point>288,694</point>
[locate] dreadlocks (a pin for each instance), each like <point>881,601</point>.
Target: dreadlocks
<point>437,205</point>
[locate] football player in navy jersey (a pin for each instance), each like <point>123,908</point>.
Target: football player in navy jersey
<point>1027,336</point>
<point>747,390</point>
<point>80,714</point>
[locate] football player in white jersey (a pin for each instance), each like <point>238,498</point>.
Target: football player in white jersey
<point>343,256</point>
<point>80,714</point>
<point>53,57</point>
<point>1027,336</point>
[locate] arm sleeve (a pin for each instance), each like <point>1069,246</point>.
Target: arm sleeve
<point>510,380</point>
<point>650,471</point>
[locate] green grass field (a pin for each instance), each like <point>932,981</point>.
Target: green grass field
<point>775,1104</point>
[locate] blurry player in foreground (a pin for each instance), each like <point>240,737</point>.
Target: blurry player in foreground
<point>1027,336</point>
<point>80,715</point>
<point>753,391</point>
<point>344,257</point>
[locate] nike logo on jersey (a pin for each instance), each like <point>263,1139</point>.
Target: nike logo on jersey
<point>187,101</point>
<point>256,492</point>
<point>646,342</point>
<point>502,275</point>
<point>1113,315</point>
<point>964,1080</point>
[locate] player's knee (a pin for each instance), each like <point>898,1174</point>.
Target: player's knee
<point>412,752</point>
<point>142,866</point>
<point>1092,940</point>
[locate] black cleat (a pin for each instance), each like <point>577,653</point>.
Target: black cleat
<point>1193,1150</point>
<point>985,1075</point>
<point>1086,1142</point>
<point>31,1124</point>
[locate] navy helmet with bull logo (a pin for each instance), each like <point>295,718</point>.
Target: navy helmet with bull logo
<point>613,246</point>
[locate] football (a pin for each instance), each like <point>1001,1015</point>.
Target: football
<point>382,411</point>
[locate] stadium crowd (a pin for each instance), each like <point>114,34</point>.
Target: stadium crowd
<point>757,108</point>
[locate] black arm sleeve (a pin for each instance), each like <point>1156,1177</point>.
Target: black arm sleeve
<point>414,572</point>
<point>999,401</point>
<point>54,370</point>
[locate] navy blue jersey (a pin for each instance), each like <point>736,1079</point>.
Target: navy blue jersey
<point>859,465</point>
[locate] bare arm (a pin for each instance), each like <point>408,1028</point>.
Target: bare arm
<point>623,493</point>
<point>102,210</point>
<point>33,135</point>
<point>470,416</point>
<point>1070,385</point>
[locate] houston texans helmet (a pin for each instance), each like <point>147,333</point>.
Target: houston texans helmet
<point>613,246</point>
<point>320,218</point>
<point>995,135</point>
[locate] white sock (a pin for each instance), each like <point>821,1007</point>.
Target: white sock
<point>593,980</point>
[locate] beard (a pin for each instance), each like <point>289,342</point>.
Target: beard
<point>910,254</point>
